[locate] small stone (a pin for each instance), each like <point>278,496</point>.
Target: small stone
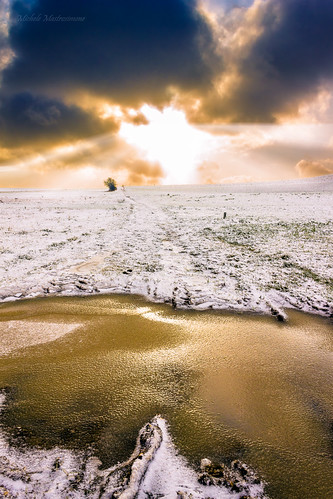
<point>204,463</point>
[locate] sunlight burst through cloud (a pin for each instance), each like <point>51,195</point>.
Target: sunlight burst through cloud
<point>170,140</point>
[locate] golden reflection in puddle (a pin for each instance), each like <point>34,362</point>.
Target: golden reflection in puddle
<point>229,385</point>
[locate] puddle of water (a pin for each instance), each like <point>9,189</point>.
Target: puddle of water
<point>230,386</point>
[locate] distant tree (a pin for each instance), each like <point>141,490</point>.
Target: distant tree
<point>111,184</point>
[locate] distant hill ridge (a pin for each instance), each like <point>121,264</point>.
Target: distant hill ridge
<point>323,183</point>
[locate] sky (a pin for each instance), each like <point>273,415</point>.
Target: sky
<point>164,91</point>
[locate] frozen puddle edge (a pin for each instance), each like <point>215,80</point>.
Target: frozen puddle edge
<point>154,469</point>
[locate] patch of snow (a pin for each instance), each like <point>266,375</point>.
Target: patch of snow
<point>170,476</point>
<point>15,335</point>
<point>271,252</point>
<point>153,468</point>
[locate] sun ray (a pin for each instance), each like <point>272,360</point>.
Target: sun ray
<point>170,140</point>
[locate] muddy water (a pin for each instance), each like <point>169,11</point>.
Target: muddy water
<point>230,386</point>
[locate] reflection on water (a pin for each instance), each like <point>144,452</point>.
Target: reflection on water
<point>230,386</point>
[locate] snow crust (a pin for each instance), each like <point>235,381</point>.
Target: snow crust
<point>15,335</point>
<point>169,476</point>
<point>271,250</point>
<point>153,470</point>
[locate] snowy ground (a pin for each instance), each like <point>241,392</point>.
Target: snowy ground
<point>172,244</point>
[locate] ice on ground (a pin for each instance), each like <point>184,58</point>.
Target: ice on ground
<point>169,476</point>
<point>153,470</point>
<point>15,335</point>
<point>272,250</point>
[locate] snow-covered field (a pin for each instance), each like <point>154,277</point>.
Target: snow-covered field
<point>273,249</point>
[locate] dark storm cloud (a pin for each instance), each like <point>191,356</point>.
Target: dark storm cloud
<point>128,50</point>
<point>230,4</point>
<point>3,40</point>
<point>294,54</point>
<point>27,119</point>
<point>4,45</point>
<point>287,62</point>
<point>132,51</point>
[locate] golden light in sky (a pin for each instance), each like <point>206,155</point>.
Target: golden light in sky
<point>170,140</point>
<point>205,91</point>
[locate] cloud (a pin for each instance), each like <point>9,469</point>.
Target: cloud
<point>6,53</point>
<point>71,84</point>
<point>26,119</point>
<point>264,152</point>
<point>293,54</point>
<point>307,168</point>
<point>119,55</point>
<point>78,164</point>
<point>142,172</point>
<point>260,63</point>
<point>129,51</point>
<point>213,172</point>
<point>109,153</point>
<point>277,57</point>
